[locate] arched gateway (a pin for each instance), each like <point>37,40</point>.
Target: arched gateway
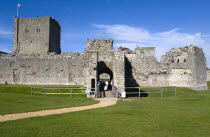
<point>106,64</point>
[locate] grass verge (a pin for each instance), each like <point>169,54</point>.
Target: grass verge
<point>186,115</point>
<point>16,99</point>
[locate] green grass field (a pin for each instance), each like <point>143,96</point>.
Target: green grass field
<point>186,115</point>
<point>17,98</point>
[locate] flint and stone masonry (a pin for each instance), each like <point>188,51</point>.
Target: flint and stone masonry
<point>37,35</point>
<point>208,75</point>
<point>36,59</point>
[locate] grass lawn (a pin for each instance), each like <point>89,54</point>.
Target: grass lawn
<point>186,115</point>
<point>16,99</point>
<point>208,84</point>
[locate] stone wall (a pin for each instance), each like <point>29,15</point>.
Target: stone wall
<point>104,48</point>
<point>200,76</point>
<point>182,67</point>
<point>38,35</point>
<point>99,45</point>
<point>187,67</point>
<point>90,68</point>
<point>178,63</point>
<point>65,69</point>
<point>105,55</point>
<point>119,72</point>
<point>35,60</point>
<point>143,69</point>
<point>110,62</point>
<point>145,51</point>
<point>208,75</point>
<point>130,71</point>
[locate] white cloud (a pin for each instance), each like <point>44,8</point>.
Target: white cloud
<point>5,34</point>
<point>128,36</point>
<point>123,32</point>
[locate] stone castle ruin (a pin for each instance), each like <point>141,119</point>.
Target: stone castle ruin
<point>208,75</point>
<point>36,59</point>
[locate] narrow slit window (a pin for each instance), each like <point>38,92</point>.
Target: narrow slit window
<point>38,29</point>
<point>27,30</point>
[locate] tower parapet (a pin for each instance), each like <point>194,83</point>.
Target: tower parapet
<point>99,45</point>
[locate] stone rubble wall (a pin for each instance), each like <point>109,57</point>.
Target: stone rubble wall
<point>150,73</point>
<point>43,70</point>
<point>145,70</point>
<point>99,45</point>
<point>37,35</point>
<point>187,67</point>
<point>130,71</point>
<point>208,75</point>
<point>179,65</point>
<point>181,78</point>
<point>90,72</point>
<point>105,54</point>
<point>145,51</point>
<point>183,67</point>
<point>104,48</point>
<point>36,59</point>
<point>119,71</point>
<point>200,76</point>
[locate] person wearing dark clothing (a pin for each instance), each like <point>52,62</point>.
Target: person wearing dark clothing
<point>101,88</point>
<point>109,87</point>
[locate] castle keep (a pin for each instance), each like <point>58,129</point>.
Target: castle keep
<point>37,59</point>
<point>38,35</point>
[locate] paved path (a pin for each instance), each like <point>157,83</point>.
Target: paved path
<point>103,103</point>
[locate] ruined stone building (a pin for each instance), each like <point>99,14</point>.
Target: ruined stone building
<point>37,59</point>
<point>208,75</point>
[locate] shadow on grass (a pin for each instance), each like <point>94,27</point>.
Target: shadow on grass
<point>129,93</point>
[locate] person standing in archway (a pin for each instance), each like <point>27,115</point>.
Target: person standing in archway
<point>102,92</point>
<point>106,85</point>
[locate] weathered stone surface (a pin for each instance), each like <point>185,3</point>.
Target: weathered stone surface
<point>208,75</point>
<point>109,61</point>
<point>37,35</point>
<point>45,69</point>
<point>184,67</point>
<point>40,63</point>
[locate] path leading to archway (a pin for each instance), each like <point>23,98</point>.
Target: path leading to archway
<point>103,103</point>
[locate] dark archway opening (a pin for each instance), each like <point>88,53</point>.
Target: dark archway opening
<point>105,74</point>
<point>130,81</point>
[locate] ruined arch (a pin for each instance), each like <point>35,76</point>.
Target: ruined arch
<point>103,69</point>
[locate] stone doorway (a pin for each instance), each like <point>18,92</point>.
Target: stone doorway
<point>105,73</point>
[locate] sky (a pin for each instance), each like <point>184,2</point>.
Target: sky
<point>164,24</point>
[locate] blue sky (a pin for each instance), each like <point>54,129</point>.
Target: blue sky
<point>163,24</point>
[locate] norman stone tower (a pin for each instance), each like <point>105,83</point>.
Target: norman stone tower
<point>37,35</point>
